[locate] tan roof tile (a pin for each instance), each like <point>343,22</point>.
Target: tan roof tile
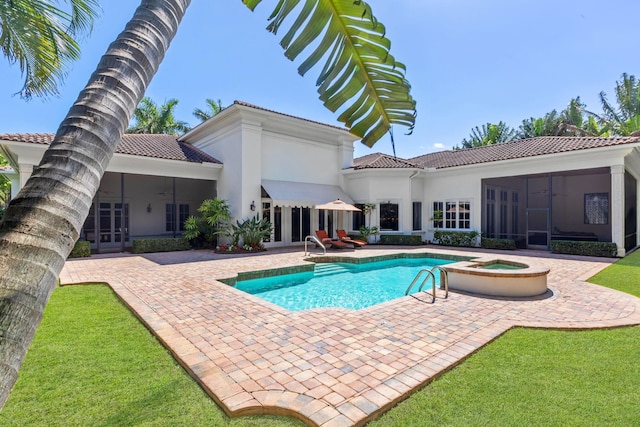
<point>517,149</point>
<point>383,161</point>
<point>157,146</point>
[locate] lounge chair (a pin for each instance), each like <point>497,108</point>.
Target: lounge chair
<point>342,235</point>
<point>326,240</point>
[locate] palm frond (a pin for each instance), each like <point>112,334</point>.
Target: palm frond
<point>359,75</point>
<point>41,39</point>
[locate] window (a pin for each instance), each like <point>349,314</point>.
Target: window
<point>417,216</point>
<point>450,214</point>
<point>464,215</point>
<point>456,215</point>
<point>514,212</point>
<point>491,213</point>
<point>300,223</point>
<point>277,224</point>
<point>389,217</point>
<point>357,218</point>
<point>437,216</point>
<point>183,214</point>
<point>504,209</point>
<point>170,216</point>
<point>266,213</point>
<point>596,208</point>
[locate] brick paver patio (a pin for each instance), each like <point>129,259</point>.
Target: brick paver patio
<point>332,367</point>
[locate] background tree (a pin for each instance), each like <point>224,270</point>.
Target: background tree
<point>624,118</point>
<point>550,125</point>
<point>489,134</point>
<point>212,108</point>
<point>5,187</point>
<point>577,121</point>
<point>42,39</point>
<point>43,222</point>
<point>148,117</point>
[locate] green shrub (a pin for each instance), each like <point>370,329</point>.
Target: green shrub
<point>570,247</point>
<point>203,230</point>
<point>142,246</point>
<point>365,232</point>
<point>252,231</point>
<point>400,239</point>
<point>456,238</point>
<point>81,249</point>
<point>506,244</point>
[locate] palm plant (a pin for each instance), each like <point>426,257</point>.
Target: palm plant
<point>253,231</point>
<point>577,121</point>
<point>213,108</point>
<point>623,119</point>
<point>204,229</point>
<point>549,125</point>
<point>42,39</point>
<point>151,118</point>
<point>489,134</point>
<point>43,222</point>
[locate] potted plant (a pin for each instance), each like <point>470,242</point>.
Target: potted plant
<point>366,231</point>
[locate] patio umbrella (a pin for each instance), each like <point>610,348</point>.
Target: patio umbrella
<point>338,205</point>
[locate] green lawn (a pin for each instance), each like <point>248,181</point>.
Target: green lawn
<point>93,363</point>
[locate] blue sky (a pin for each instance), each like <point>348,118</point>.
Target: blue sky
<point>469,63</point>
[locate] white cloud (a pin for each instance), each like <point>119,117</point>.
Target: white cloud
<point>438,145</point>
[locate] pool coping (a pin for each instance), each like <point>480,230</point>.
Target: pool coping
<point>331,367</point>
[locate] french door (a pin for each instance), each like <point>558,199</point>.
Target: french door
<point>113,224</point>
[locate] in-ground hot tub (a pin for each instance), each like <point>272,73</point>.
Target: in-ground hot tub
<point>497,277</point>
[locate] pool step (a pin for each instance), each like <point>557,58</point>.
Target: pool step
<point>327,269</point>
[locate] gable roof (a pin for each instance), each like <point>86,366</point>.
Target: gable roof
<point>256,107</point>
<point>517,149</point>
<point>383,161</point>
<point>157,146</point>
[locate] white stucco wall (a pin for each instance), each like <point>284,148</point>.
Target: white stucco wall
<point>465,182</point>
<point>256,144</point>
<point>386,185</point>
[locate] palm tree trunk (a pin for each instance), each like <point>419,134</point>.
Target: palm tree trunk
<point>43,222</point>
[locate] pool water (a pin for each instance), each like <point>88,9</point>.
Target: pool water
<point>341,285</point>
<point>501,266</point>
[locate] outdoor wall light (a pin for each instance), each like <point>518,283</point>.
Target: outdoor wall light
<point>149,208</point>
<point>253,206</point>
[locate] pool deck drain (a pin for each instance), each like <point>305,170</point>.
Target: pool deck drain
<point>332,367</point>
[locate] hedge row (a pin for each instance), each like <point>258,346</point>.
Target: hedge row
<point>81,249</point>
<point>400,239</point>
<point>167,244</point>
<point>490,243</point>
<point>456,238</point>
<point>570,247</point>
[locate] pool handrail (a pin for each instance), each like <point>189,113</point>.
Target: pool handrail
<point>443,275</point>
<point>316,241</point>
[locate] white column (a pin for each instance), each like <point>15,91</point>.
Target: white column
<point>15,184</point>
<point>617,207</point>
<point>26,170</point>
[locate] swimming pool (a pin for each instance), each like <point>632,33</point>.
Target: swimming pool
<point>340,285</point>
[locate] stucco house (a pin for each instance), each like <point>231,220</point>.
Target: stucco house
<point>281,166</point>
